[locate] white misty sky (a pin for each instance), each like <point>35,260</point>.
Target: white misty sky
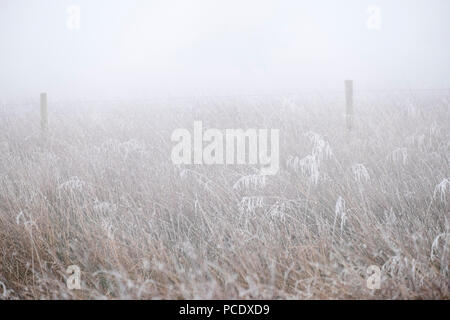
<point>145,48</point>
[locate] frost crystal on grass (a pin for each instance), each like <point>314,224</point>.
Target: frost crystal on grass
<point>4,290</point>
<point>104,207</point>
<point>254,181</point>
<point>321,148</point>
<point>360,173</point>
<point>73,184</point>
<point>125,149</point>
<point>250,204</point>
<point>435,244</point>
<point>340,211</point>
<point>310,164</point>
<point>278,211</point>
<point>132,147</point>
<point>441,189</point>
<point>20,217</point>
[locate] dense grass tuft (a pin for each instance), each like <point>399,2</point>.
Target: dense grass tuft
<point>102,193</point>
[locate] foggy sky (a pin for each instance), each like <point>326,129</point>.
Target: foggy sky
<point>146,48</point>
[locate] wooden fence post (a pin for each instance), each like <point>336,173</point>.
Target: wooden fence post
<point>44,113</point>
<point>349,103</point>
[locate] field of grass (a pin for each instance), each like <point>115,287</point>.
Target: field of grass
<point>102,193</point>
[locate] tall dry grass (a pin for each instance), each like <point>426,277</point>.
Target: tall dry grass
<point>102,193</point>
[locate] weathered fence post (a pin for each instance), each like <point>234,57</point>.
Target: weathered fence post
<point>44,113</point>
<point>349,103</point>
